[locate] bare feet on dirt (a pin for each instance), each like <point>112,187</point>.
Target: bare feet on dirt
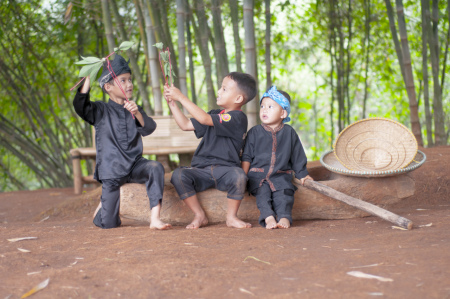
<point>271,223</point>
<point>237,223</point>
<point>158,224</point>
<point>199,221</point>
<point>283,223</point>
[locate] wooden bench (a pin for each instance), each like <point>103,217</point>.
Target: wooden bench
<point>167,139</point>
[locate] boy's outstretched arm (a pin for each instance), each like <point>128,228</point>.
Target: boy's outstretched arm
<point>182,121</point>
<point>86,85</point>
<point>173,93</point>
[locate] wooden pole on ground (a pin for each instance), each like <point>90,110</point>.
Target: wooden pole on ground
<point>357,203</point>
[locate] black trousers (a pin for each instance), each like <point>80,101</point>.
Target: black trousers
<point>277,204</point>
<point>190,180</point>
<point>150,173</point>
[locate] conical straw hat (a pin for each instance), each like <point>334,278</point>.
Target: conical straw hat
<point>375,144</point>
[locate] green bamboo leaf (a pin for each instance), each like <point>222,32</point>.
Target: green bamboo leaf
<point>159,46</point>
<point>88,60</point>
<point>166,69</point>
<point>125,46</point>
<point>165,56</point>
<point>87,69</point>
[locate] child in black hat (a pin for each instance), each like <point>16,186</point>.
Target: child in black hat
<point>119,144</point>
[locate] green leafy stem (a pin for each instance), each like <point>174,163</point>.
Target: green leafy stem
<point>92,65</point>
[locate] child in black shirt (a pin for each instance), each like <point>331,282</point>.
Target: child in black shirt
<point>119,145</point>
<point>216,162</point>
<point>272,153</point>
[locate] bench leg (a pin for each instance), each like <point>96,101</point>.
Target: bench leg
<point>77,175</point>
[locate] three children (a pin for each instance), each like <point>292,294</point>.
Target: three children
<point>272,151</point>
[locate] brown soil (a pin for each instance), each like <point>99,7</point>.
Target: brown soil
<point>309,260</point>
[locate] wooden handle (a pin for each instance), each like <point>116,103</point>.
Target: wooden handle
<point>357,203</point>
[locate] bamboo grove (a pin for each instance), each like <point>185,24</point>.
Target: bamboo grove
<point>341,61</point>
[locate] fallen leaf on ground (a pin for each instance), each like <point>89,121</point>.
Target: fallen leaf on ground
<point>256,259</point>
<point>245,291</point>
<point>398,227</point>
<point>23,250</point>
<point>373,265</point>
<point>425,225</point>
<point>20,239</point>
<point>46,218</point>
<point>32,273</point>
<point>360,274</point>
<point>37,288</point>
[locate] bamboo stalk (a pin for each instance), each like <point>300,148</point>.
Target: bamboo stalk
<point>357,203</point>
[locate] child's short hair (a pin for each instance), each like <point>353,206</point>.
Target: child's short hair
<point>246,83</point>
<point>109,82</point>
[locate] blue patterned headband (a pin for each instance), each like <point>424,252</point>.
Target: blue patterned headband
<point>275,95</point>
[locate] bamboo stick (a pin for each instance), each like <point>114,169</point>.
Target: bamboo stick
<point>357,203</point>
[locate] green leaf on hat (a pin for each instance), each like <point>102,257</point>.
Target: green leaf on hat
<point>88,60</point>
<point>94,73</point>
<point>88,69</point>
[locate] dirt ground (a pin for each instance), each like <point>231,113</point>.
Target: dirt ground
<point>310,260</point>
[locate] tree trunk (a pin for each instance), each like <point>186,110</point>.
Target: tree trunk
<point>133,61</point>
<point>268,40</point>
<point>426,93</point>
<point>141,23</point>
<point>153,58</point>
<point>398,48</point>
<point>234,12</point>
<point>367,9</point>
<point>439,119</point>
<point>190,54</point>
<point>108,27</point>
<point>409,78</point>
<point>219,42</point>
<point>181,46</point>
<point>250,60</point>
<point>202,41</point>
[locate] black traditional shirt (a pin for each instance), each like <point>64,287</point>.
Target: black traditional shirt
<point>117,135</point>
<point>222,143</point>
<point>274,155</point>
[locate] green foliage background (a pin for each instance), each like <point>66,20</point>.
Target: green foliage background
<point>39,125</point>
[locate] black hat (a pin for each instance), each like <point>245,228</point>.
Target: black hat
<point>119,66</point>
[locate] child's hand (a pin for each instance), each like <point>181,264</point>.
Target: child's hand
<point>172,93</point>
<point>166,95</point>
<point>306,178</point>
<point>132,107</point>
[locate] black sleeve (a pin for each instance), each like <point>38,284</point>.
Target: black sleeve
<point>89,111</point>
<point>149,124</point>
<point>230,124</point>
<point>249,148</point>
<point>200,129</point>
<point>298,157</point>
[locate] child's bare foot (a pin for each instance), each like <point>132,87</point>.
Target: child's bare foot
<point>271,222</point>
<point>198,222</point>
<point>237,223</point>
<point>284,223</point>
<point>96,210</point>
<point>158,224</point>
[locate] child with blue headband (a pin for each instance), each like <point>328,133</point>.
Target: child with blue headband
<point>272,154</point>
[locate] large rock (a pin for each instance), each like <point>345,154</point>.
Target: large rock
<point>308,204</point>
